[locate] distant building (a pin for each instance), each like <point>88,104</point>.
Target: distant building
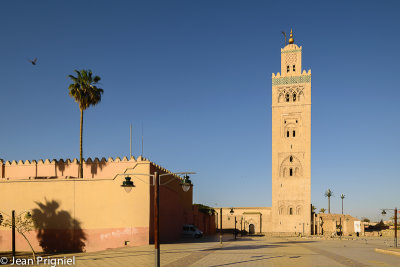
<point>333,224</point>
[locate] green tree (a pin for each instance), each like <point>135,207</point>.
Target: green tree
<point>379,226</point>
<point>313,208</point>
<point>322,210</point>
<point>329,194</point>
<point>366,220</point>
<point>23,224</point>
<point>86,94</point>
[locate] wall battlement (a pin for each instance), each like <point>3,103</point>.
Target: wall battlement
<point>68,168</point>
<point>278,74</point>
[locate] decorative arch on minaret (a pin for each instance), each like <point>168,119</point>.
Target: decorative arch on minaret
<point>291,94</point>
<point>291,167</point>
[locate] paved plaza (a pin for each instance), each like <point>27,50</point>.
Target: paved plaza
<point>251,251</point>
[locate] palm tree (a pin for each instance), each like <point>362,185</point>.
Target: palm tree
<point>313,208</point>
<point>329,194</point>
<point>322,210</point>
<point>342,196</point>
<point>86,94</point>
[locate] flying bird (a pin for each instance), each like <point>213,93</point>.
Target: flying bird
<point>33,61</point>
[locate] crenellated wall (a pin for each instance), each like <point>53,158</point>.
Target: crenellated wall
<point>91,213</point>
<point>42,169</point>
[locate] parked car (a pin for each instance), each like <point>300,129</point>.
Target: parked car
<point>191,231</point>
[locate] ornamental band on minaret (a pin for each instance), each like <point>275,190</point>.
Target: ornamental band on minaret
<point>291,143</point>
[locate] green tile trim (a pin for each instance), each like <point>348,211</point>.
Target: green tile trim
<point>291,79</point>
<point>291,51</point>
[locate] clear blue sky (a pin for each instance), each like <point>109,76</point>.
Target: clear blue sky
<point>197,74</point>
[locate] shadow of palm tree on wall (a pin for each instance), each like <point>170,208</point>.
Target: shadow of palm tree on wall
<point>97,164</point>
<point>57,231</point>
<point>61,165</point>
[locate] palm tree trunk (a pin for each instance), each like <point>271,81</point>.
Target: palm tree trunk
<point>342,205</point>
<point>329,205</point>
<point>80,148</point>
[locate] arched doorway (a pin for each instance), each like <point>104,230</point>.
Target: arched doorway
<point>252,229</point>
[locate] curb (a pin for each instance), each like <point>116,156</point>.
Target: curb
<point>385,251</point>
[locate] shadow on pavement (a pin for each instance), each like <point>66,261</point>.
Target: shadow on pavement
<point>243,247</point>
<point>243,262</point>
<point>294,242</point>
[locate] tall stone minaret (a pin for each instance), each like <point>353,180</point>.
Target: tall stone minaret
<point>291,144</point>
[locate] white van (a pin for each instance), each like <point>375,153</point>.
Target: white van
<point>191,231</point>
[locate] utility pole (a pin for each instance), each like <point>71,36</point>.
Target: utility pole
<point>156,218</point>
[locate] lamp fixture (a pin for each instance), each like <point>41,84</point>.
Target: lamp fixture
<point>127,184</point>
<point>186,183</point>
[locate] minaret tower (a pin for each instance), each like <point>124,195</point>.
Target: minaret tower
<point>291,144</point>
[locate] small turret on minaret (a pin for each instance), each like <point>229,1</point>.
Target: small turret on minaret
<point>291,58</point>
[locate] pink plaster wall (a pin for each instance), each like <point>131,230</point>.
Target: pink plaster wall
<point>205,222</point>
<point>175,208</point>
<point>97,200</point>
<point>96,239</point>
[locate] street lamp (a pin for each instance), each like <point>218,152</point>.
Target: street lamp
<point>395,224</point>
<point>186,185</point>
<point>231,212</point>
<point>127,184</point>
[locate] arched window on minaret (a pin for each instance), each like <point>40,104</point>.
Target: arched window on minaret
<point>294,67</point>
<point>287,97</point>
<point>290,168</point>
<point>290,211</point>
<point>298,210</point>
<point>281,210</point>
<point>294,133</point>
<point>288,68</point>
<point>294,97</point>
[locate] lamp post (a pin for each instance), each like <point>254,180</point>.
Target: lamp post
<point>231,212</point>
<point>13,232</point>
<point>395,224</point>
<point>186,185</point>
<point>220,227</point>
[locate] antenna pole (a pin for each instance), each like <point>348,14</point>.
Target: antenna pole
<point>142,139</point>
<point>130,152</point>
